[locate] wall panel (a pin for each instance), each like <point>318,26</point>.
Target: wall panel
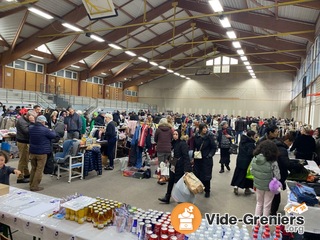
<point>95,90</point>
<point>74,88</point>
<point>83,88</point>
<point>19,81</point>
<point>67,86</point>
<point>39,81</point>
<point>89,89</point>
<point>31,79</point>
<point>8,77</point>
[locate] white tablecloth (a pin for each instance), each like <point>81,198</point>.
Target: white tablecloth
<point>29,212</point>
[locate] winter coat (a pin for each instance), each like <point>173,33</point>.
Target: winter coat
<point>163,137</point>
<point>263,171</point>
<point>22,126</point>
<point>283,161</point>
<point>40,139</point>
<point>73,123</point>
<point>317,150</point>
<point>240,125</point>
<point>183,165</point>
<point>304,145</point>
<point>110,133</point>
<point>5,172</point>
<point>99,120</point>
<point>203,167</point>
<point>245,155</point>
<point>219,138</point>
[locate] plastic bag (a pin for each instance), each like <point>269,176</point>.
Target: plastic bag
<point>181,193</point>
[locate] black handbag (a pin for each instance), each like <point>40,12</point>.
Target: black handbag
<point>233,148</point>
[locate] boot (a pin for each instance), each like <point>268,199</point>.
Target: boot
<point>228,168</point>
<point>222,169</point>
<point>165,199</point>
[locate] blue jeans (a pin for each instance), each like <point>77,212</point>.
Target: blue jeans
<point>237,135</point>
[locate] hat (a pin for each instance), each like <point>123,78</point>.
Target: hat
<point>41,118</point>
<point>223,123</point>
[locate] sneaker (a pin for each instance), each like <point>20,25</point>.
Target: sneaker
<point>37,189</point>
<point>24,180</point>
<point>228,168</point>
<point>108,168</point>
<point>221,171</point>
<point>235,191</point>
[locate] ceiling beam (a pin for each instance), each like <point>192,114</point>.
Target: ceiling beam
<point>254,19</point>
<point>166,55</point>
<point>314,5</point>
<point>66,49</point>
<point>112,37</point>
<point>275,43</point>
<point>12,11</point>
<point>34,41</point>
<point>15,39</point>
<point>106,67</point>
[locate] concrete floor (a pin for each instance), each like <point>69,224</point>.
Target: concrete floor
<point>143,193</point>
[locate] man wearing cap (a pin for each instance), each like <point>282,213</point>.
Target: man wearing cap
<point>22,137</point>
<point>40,146</point>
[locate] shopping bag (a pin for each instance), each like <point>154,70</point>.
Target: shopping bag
<point>181,193</point>
<point>233,149</point>
<point>193,183</point>
<point>197,155</point>
<point>249,174</point>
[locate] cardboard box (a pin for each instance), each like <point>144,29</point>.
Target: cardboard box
<point>4,189</point>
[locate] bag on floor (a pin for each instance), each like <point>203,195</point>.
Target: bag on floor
<point>193,183</point>
<point>181,193</point>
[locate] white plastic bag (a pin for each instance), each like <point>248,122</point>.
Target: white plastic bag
<point>181,193</point>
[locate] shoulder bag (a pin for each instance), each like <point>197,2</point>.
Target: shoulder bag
<point>197,154</point>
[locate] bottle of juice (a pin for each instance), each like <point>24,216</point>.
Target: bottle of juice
<point>96,218</point>
<point>100,220</point>
<point>81,216</point>
<point>72,215</point>
<point>89,214</point>
<point>67,216</point>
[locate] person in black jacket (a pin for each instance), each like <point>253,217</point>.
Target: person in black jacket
<point>110,135</point>
<point>245,155</point>
<point>284,165</point>
<point>224,139</point>
<point>204,142</point>
<point>183,164</point>
<point>305,145</point>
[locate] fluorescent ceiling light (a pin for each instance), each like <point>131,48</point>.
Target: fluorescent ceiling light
<point>40,13</point>
<point>250,71</point>
<point>253,76</point>
<point>231,34</point>
<point>170,71</point>
<point>178,74</point>
<point>236,44</point>
<point>103,73</point>
<point>154,63</point>
<point>240,52</point>
<point>74,66</point>
<point>97,38</point>
<point>143,59</point>
<point>188,78</point>
<point>246,63</point>
<point>249,67</point>
<point>183,76</point>
<point>216,5</point>
<point>35,56</point>
<point>162,67</point>
<point>244,58</point>
<point>71,27</point>
<point>132,54</point>
<point>114,46</point>
<point>82,61</point>
<point>224,22</point>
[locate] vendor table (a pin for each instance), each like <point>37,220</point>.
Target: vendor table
<point>30,213</point>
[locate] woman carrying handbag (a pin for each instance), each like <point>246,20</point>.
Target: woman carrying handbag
<point>179,163</point>
<point>204,142</point>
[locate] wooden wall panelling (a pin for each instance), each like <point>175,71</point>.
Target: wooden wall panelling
<point>107,91</point>
<point>60,85</point>
<point>83,89</point>
<point>39,81</point>
<point>100,91</point>
<point>95,90</point>
<point>74,87</point>
<point>67,86</point>
<point>31,79</point>
<point>89,89</point>
<point>19,81</point>
<point>8,77</point>
<point>51,84</point>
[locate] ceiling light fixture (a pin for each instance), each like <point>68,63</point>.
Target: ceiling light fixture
<point>132,54</point>
<point>114,46</point>
<point>162,67</point>
<point>183,76</point>
<point>143,59</point>
<point>216,5</point>
<point>224,21</point>
<point>246,63</point>
<point>154,63</point>
<point>40,13</point>
<point>250,71</point>
<point>188,78</point>
<point>97,38</point>
<point>249,67</point>
<point>236,44</point>
<point>240,52</point>
<point>244,58</point>
<point>103,74</point>
<point>74,66</point>
<point>71,27</point>
<point>35,56</point>
<point>170,71</point>
<point>178,74</point>
<point>231,34</point>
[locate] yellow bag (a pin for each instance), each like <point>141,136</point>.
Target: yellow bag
<point>197,155</point>
<point>193,183</point>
